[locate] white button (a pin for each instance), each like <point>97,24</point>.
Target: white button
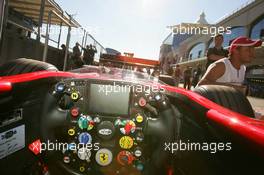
<point>84,154</point>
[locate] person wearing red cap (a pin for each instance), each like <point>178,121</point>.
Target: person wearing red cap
<point>231,70</point>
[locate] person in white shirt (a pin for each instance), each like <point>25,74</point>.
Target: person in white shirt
<point>230,71</point>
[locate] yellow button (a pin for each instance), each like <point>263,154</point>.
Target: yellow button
<point>71,132</point>
<point>126,142</point>
<point>90,127</point>
<point>74,96</point>
<point>139,119</point>
<point>82,169</point>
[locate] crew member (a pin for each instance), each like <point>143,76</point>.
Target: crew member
<point>217,52</point>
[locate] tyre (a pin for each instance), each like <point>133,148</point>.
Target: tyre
<point>228,97</point>
<point>23,65</point>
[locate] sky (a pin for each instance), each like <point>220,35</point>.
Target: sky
<point>140,26</point>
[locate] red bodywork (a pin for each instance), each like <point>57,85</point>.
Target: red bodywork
<point>248,128</point>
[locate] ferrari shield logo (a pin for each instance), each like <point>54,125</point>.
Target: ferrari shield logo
<point>104,157</point>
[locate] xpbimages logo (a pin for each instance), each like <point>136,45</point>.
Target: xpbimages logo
<point>146,89</point>
<point>38,147</point>
<point>201,30</point>
<point>191,146</point>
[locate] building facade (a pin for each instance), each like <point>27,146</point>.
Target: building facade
<point>191,51</point>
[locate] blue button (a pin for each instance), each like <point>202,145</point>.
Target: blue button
<point>85,138</point>
<point>60,87</point>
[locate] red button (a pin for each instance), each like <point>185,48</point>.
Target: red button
<point>35,147</point>
<point>125,158</point>
<point>142,102</point>
<point>75,112</point>
<point>128,128</point>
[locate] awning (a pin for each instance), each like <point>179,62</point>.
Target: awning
<point>31,9</point>
<point>134,60</point>
<point>124,60</point>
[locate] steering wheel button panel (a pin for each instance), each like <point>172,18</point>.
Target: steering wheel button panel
<point>85,138</point>
<point>88,125</point>
<point>104,157</point>
<point>126,142</point>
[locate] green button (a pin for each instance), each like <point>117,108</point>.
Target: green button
<point>83,122</point>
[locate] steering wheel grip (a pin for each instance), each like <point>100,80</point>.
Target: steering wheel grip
<point>164,129</point>
<point>52,117</point>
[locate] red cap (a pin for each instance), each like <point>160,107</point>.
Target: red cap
<point>244,41</point>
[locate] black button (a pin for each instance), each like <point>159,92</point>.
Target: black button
<point>106,130</point>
